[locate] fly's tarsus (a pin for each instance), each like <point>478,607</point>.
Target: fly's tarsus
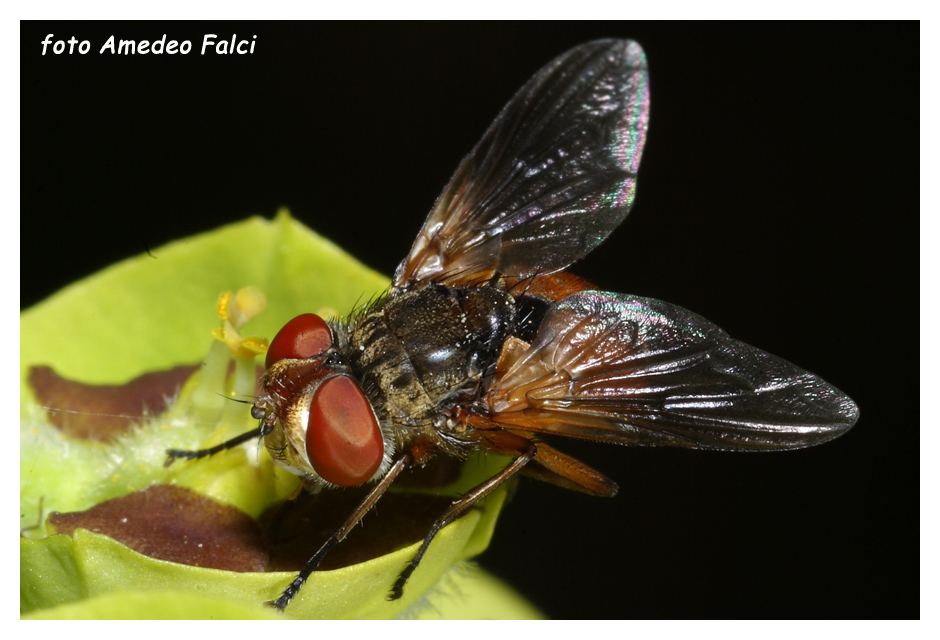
<point>172,455</point>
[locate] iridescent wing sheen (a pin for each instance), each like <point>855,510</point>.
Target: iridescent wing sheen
<point>630,370</point>
<point>552,177</point>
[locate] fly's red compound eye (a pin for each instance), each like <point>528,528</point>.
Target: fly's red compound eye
<point>344,443</point>
<point>303,337</point>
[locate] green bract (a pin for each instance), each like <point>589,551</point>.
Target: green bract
<point>145,315</point>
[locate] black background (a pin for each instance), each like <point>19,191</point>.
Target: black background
<point>778,197</point>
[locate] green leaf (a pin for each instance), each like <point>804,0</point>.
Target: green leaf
<point>147,314</point>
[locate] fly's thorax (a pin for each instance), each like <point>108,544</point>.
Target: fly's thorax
<point>422,352</point>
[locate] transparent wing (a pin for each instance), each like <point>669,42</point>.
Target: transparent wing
<point>554,174</point>
<point>632,370</point>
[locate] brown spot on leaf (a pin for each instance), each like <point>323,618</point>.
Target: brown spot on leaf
<point>176,524</point>
<point>293,531</point>
<point>103,412</point>
<point>172,523</point>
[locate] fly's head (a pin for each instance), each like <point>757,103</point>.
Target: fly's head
<point>317,421</point>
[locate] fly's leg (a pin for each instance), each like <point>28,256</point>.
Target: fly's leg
<point>456,509</point>
<point>175,454</point>
<point>367,503</point>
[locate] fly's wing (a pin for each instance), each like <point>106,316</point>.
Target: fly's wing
<point>554,174</point>
<point>632,370</point>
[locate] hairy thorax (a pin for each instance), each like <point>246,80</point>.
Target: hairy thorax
<point>420,354</point>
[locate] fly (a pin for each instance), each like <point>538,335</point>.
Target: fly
<point>485,342</point>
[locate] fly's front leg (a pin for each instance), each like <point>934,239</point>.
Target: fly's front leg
<point>265,427</point>
<point>175,454</point>
<point>455,510</point>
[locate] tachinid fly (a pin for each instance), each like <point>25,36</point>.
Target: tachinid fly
<point>484,342</point>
